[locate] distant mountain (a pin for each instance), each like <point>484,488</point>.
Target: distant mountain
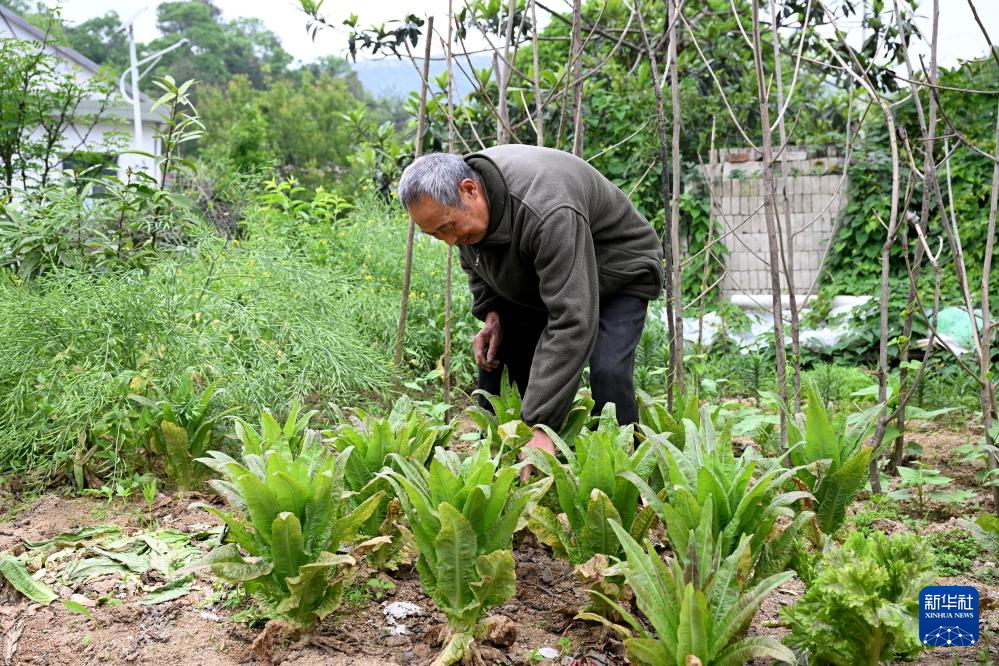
<point>397,78</point>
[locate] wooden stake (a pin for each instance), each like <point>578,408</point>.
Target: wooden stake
<point>407,274</point>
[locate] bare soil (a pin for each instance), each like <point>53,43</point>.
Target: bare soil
<point>200,627</point>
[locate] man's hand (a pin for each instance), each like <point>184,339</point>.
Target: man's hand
<point>540,440</point>
<point>485,344</point>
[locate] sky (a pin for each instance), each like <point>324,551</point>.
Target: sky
<point>960,37</point>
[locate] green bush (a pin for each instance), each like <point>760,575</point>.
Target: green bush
<point>264,322</point>
<point>370,244</point>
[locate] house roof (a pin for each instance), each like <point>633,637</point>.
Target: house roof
<point>12,18</point>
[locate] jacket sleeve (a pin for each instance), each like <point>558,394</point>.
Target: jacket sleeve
<point>484,299</point>
<point>566,264</point>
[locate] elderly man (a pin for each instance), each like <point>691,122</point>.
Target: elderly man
<point>561,267</point>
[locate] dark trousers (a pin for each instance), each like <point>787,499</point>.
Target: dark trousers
<point>612,363</point>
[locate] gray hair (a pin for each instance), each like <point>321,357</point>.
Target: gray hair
<point>435,175</point>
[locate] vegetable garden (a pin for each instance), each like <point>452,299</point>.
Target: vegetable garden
<point>238,421</point>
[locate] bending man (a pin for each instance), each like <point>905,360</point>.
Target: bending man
<point>561,267</point>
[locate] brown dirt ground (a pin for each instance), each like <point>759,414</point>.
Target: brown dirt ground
<point>197,629</point>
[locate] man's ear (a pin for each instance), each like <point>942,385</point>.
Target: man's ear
<point>469,189</point>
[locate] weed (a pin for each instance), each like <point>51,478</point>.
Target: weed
<point>878,507</point>
<point>922,479</point>
<point>361,594</point>
<point>149,494</point>
<point>954,552</point>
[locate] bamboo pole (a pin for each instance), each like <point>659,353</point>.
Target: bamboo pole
<point>407,274</point>
<point>539,123</point>
<point>503,71</point>
<point>671,296</point>
<point>448,286</point>
<point>787,242</point>
<point>928,129</point>
<point>672,10</point>
<point>770,210</point>
<point>577,74</point>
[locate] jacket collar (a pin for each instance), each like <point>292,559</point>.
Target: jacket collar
<point>498,195</point>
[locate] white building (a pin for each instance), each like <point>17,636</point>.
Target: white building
<point>112,134</point>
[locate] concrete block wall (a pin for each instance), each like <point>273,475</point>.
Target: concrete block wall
<point>817,196</point>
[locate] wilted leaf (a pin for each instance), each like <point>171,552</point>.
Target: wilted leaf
<point>17,575</point>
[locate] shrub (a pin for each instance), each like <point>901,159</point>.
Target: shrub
<point>271,327</point>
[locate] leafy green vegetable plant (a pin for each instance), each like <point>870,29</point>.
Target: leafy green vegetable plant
<point>404,433</point>
<point>697,603</point>
<point>290,514</point>
<point>178,434</point>
<point>294,435</point>
<point>503,427</point>
<point>463,514</point>
<point>592,489</point>
<point>832,462</point>
<point>863,605</point>
<point>707,468</point>
<point>655,416</point>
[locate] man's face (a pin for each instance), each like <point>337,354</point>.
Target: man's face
<point>462,226</point>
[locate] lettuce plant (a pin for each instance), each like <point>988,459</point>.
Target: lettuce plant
<point>592,489</point>
<point>655,416</point>
<point>294,435</point>
<point>405,433</point>
<point>741,505</point>
<point>832,462</point>
<point>503,425</point>
<point>181,431</point>
<point>862,607</point>
<point>697,603</point>
<point>290,515</point>
<point>463,514</point>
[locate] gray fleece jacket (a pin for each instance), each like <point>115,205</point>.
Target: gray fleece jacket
<point>561,237</point>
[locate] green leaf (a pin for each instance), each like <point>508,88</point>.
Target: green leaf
<point>17,575</point>
<point>820,438</point>
<point>76,607</point>
<point>497,580</point>
<point>643,578</point>
<point>226,562</point>
<point>345,529</point>
<point>754,647</point>
<point>180,463</point>
<point>456,561</point>
<point>549,530</point>
<point>260,503</point>
<point>647,652</point>
<point>836,491</point>
<point>692,633</point>
<point>597,535</point>
<point>287,544</point>
<point>313,594</point>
